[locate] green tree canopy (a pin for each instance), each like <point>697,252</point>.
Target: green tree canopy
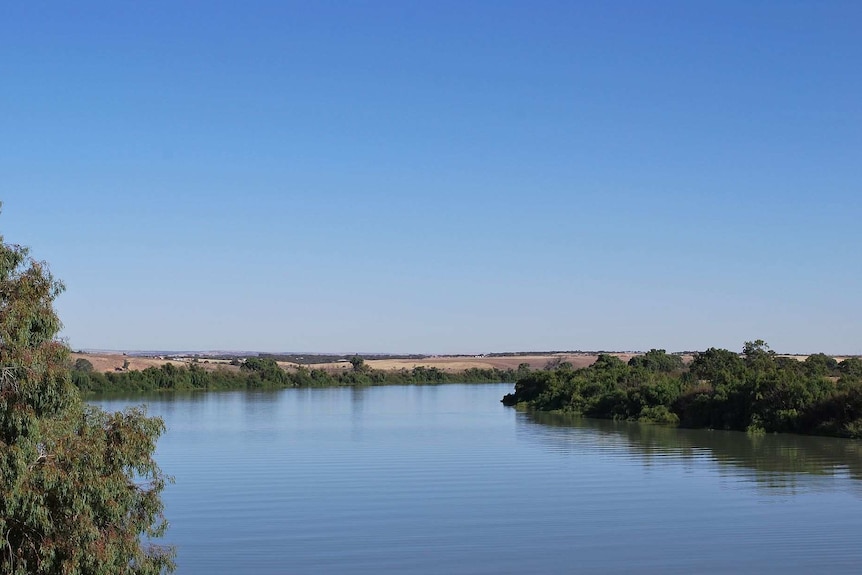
<point>820,364</point>
<point>758,355</point>
<point>266,368</point>
<point>713,363</point>
<point>851,368</point>
<point>657,360</point>
<point>82,364</point>
<point>80,489</point>
<point>358,363</point>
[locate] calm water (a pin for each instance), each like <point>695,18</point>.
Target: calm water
<point>446,480</point>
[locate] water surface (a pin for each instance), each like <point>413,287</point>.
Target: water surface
<point>444,479</point>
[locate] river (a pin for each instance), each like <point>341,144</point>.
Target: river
<point>444,479</point>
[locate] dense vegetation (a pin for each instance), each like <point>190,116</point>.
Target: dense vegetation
<point>755,391</point>
<point>79,488</point>
<point>264,373</point>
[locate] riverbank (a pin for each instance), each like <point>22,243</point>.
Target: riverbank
<point>263,373</point>
<point>132,361</point>
<point>757,391</point>
<point>129,373</point>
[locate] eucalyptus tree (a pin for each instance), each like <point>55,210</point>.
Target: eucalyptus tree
<point>80,492</point>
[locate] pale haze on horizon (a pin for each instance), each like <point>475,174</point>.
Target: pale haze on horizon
<point>439,177</point>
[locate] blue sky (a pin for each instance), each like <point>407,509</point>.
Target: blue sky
<point>439,176</point>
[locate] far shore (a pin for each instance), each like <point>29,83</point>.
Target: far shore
<point>107,362</point>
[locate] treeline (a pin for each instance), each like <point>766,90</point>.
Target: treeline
<point>265,373</point>
<point>720,389</point>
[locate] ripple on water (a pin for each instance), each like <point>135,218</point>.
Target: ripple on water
<point>446,480</point>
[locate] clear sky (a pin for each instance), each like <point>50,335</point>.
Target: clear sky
<point>439,176</point>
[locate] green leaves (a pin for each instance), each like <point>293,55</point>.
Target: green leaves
<point>80,486</point>
<point>757,391</point>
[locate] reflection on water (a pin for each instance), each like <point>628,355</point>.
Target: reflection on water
<point>776,461</point>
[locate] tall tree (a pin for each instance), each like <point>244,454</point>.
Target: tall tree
<point>358,363</point>
<point>81,493</point>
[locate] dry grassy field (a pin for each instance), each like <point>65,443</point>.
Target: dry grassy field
<point>461,363</point>
<point>114,362</point>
